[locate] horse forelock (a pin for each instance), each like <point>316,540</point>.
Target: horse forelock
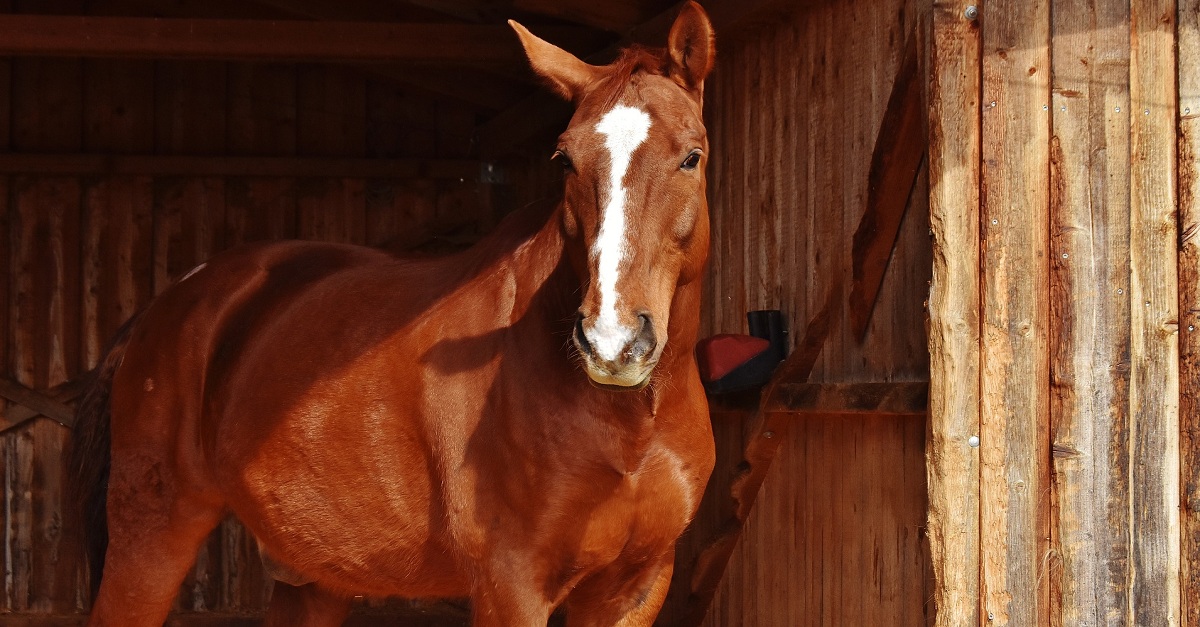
<point>633,60</point>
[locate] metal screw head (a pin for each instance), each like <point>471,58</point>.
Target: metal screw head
<point>994,221</point>
<point>1064,255</point>
<point>768,434</point>
<point>973,441</point>
<point>991,616</point>
<point>1118,109</point>
<point>971,13</point>
<point>1147,112</point>
<point>1120,291</point>
<point>1191,327</point>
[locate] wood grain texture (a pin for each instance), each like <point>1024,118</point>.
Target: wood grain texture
<point>835,538</point>
<point>1154,336</point>
<point>954,314</point>
<point>1014,401</point>
<point>1089,252</point>
<point>1188,32</point>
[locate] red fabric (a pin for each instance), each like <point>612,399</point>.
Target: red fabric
<point>718,355</point>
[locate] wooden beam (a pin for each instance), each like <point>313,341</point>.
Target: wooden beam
<point>43,404</point>
<point>954,322</point>
<point>616,17</point>
<point>287,167</point>
<point>899,149</point>
<point>357,42</point>
<point>65,393</point>
<point>799,399</point>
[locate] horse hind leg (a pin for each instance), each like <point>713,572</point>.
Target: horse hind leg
<point>155,530</point>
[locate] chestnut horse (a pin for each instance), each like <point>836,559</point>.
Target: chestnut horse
<point>521,423</point>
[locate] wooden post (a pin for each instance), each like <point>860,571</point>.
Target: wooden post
<point>953,465</point>
<point>1014,402</point>
<point>1188,41</point>
<point>1089,320</point>
<point>1154,337</point>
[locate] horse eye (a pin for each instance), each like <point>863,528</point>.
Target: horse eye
<point>562,159</point>
<point>691,161</point>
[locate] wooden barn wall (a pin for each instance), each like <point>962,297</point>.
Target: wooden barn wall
<point>793,116</point>
<point>80,252</point>
<point>794,112</point>
<point>1063,311</point>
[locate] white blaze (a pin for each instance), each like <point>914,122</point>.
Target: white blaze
<point>624,129</point>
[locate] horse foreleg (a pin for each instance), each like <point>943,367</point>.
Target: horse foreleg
<point>305,606</point>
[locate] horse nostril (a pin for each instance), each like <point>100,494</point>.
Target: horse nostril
<point>580,337</point>
<point>645,341</point>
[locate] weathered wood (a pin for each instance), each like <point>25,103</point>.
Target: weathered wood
<point>223,166</point>
<point>1188,33</point>
<point>65,393</point>
<point>357,42</point>
<point>899,148</point>
<point>1089,315</point>
<point>42,403</point>
<point>1014,407</point>
<point>1153,289</point>
<point>954,314</point>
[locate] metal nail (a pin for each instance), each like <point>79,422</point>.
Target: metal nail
<point>971,13</point>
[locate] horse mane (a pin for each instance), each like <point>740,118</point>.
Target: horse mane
<point>633,60</point>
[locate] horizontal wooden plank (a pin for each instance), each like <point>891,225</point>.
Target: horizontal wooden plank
<point>830,399</point>
<point>292,40</point>
<point>415,618</point>
<point>200,166</point>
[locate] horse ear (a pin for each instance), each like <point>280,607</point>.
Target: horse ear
<point>564,72</point>
<point>693,47</point>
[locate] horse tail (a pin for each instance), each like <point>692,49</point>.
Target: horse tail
<point>89,455</point>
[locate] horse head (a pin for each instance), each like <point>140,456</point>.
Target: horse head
<point>634,211</point>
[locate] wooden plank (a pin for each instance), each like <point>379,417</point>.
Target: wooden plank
<point>118,106</point>
<point>1014,405</point>
<point>1089,285</point>
<point>47,109</point>
<point>230,39</point>
<point>851,399</point>
<point>1154,291</point>
<point>1188,34</point>
<point>66,392</point>
<point>259,209</point>
<point>188,215</point>
<point>899,149</point>
<point>332,210</point>
<point>332,113</point>
<point>42,403</point>
<point>616,17</point>
<point>189,107</point>
<point>954,314</point>
<point>117,257</point>
<point>225,166</point>
<point>262,115</point>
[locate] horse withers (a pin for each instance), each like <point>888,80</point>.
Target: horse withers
<point>521,423</point>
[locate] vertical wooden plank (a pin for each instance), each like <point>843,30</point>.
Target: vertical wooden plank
<point>189,107</point>
<point>1154,342</point>
<point>954,307</point>
<point>46,352</point>
<point>1089,204</point>
<point>1189,303</point>
<point>262,118</point>
<point>119,106</point>
<point>118,262</point>
<point>332,210</point>
<point>47,106</point>
<point>331,112</point>
<point>1014,412</point>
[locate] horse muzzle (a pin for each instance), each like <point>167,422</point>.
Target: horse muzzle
<point>617,356</point>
